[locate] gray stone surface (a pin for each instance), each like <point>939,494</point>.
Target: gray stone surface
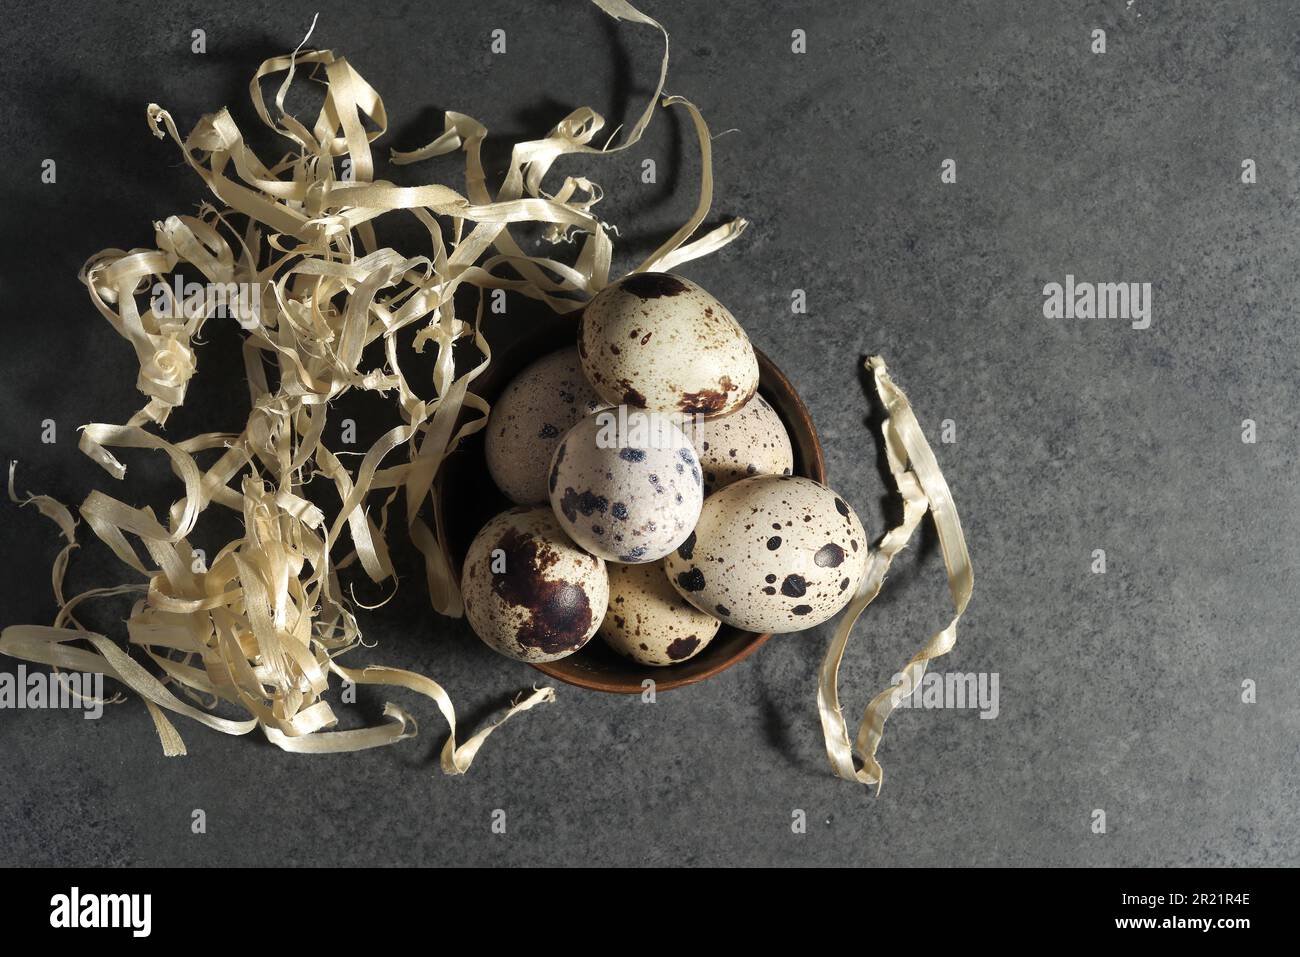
<point>1118,691</point>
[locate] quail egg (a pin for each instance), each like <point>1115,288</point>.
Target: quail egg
<point>528,420</point>
<point>771,554</point>
<point>626,485</point>
<point>749,441</point>
<point>657,341</point>
<point>529,592</point>
<point>648,621</point>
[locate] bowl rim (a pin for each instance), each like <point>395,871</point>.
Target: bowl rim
<point>771,379</point>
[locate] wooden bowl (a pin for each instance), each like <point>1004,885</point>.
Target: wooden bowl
<point>466,499</point>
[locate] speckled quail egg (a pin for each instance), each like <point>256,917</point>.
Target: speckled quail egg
<point>529,592</point>
<point>771,554</point>
<point>749,441</point>
<point>527,421</point>
<point>657,341</point>
<point>648,621</point>
<point>626,485</point>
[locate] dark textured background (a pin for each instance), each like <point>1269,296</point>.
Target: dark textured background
<point>1118,691</point>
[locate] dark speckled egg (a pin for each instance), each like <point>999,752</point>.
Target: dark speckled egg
<point>750,441</point>
<point>657,341</point>
<point>771,554</point>
<point>649,622</point>
<point>626,485</point>
<point>530,593</point>
<point>528,420</point>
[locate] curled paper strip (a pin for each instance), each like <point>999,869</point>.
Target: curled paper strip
<point>923,489</point>
<point>260,625</point>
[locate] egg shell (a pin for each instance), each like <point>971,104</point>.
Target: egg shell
<point>771,554</point>
<point>527,422</point>
<point>660,342</point>
<point>626,485</point>
<point>649,622</point>
<point>749,441</point>
<point>529,592</point>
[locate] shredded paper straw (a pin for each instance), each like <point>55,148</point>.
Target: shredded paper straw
<point>261,626</point>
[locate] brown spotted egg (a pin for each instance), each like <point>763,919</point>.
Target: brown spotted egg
<point>529,592</point>
<point>528,420</point>
<point>771,554</point>
<point>657,341</point>
<point>749,441</point>
<point>649,622</point>
<point>626,485</point>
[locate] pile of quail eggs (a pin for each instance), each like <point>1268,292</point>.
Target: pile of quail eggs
<point>654,493</point>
